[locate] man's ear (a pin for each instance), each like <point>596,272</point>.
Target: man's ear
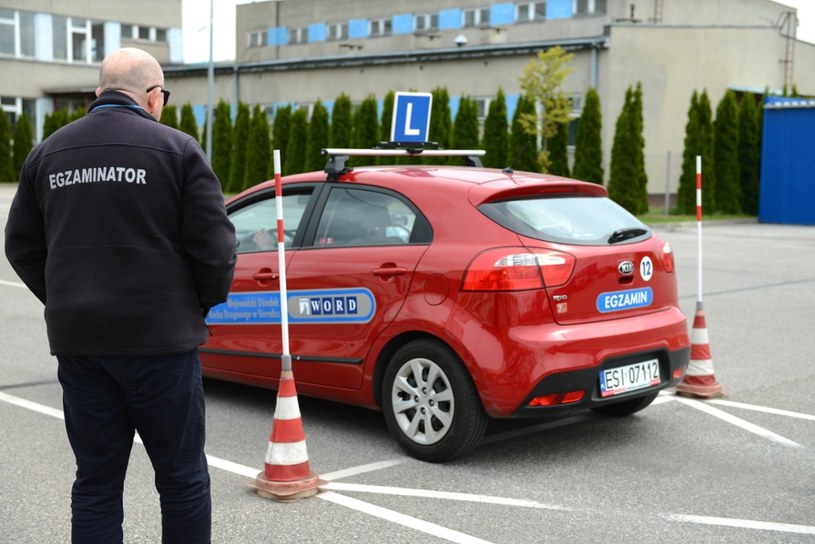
<point>98,91</point>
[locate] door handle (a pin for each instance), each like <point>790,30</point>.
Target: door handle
<point>389,271</point>
<point>265,274</point>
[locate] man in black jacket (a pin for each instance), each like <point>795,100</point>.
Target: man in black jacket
<point>118,226</point>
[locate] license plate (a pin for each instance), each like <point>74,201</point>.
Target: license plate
<point>629,378</point>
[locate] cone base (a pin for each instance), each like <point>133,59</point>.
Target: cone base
<point>287,491</point>
<point>698,390</point>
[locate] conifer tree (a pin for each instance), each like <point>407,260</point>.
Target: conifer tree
<point>726,155</point>
<point>496,132</point>
<point>522,153</point>
<point>465,127</point>
<point>341,122</point>
<point>221,142</point>
<point>240,138</point>
<point>188,123</point>
<point>280,131</point>
<point>706,135</point>
<point>317,138</point>
<point>169,116</point>
<point>365,132</point>
<point>258,150</point>
<point>588,152</point>
<point>625,180</point>
<point>639,149</point>
<point>686,193</point>
<point>23,141</point>
<point>295,160</point>
<point>441,118</point>
<point>441,123</point>
<point>559,151</point>
<point>749,174</point>
<point>385,122</point>
<point>7,172</point>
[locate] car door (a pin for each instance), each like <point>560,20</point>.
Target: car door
<point>350,281</point>
<point>245,339</point>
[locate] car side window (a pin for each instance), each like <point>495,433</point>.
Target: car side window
<point>359,217</point>
<point>256,223</point>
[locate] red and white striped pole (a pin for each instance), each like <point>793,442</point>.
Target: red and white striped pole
<point>699,379</point>
<point>281,263</point>
<point>287,474</point>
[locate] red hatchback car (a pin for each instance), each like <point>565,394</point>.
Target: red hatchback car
<point>445,296</point>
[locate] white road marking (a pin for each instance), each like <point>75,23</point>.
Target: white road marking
<point>742,523</point>
<point>746,425</point>
<point>446,495</point>
<point>330,494</point>
<point>401,519</point>
<point>361,469</point>
<point>764,409</point>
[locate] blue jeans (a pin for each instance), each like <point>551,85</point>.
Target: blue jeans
<point>107,399</point>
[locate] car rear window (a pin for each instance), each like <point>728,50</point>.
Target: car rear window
<point>568,219</point>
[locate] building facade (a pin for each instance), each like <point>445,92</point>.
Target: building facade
<point>50,51</point>
<point>301,51</point>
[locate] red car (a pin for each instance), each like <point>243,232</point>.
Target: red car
<point>445,296</point>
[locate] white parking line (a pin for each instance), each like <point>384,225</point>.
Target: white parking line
<point>330,494</point>
<point>746,425</point>
<point>764,409</point>
<point>743,523</point>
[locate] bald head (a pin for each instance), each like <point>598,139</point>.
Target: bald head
<point>130,69</point>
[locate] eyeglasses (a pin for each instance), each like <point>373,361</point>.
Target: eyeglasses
<point>164,91</point>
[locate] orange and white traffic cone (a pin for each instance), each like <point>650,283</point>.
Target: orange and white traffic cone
<point>699,380</point>
<point>287,475</point>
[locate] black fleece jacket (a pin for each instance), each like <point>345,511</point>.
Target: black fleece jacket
<point>118,226</point>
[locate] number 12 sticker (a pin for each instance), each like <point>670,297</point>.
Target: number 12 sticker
<point>646,268</point>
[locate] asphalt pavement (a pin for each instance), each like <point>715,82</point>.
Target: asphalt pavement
<point>740,469</point>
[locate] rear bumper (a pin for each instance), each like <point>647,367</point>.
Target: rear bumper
<point>588,380</point>
<point>511,365</point>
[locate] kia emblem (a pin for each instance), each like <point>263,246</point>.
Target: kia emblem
<point>626,268</point>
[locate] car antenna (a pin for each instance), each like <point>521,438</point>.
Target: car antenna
<point>510,169</point>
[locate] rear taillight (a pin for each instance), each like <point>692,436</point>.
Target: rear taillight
<point>516,269</point>
<point>667,258</point>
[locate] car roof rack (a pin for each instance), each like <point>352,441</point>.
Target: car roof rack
<point>338,156</point>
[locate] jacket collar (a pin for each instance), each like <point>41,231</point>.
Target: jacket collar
<point>120,101</point>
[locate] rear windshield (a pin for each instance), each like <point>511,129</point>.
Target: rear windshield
<point>578,220</point>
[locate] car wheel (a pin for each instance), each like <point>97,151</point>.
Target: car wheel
<point>430,403</point>
<point>626,407</point>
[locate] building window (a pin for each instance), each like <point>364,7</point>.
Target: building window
<point>257,38</point>
<point>338,31</point>
<point>80,40</point>
<point>483,106</point>
<point>17,33</point>
<point>589,7</point>
<point>426,22</point>
<point>27,35</point>
<point>530,11</point>
<point>8,25</point>
<point>381,27</point>
<point>476,17</point>
<point>298,35</point>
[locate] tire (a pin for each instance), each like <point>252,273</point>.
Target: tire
<point>430,403</point>
<point>626,407</point>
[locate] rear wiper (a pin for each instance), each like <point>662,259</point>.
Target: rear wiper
<point>624,234</point>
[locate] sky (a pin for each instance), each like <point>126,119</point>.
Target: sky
<point>195,15</point>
